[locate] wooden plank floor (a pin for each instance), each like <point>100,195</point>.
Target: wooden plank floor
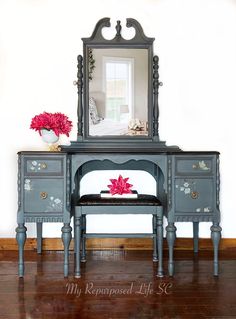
<point>117,284</point>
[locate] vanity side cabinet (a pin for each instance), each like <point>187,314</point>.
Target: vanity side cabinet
<point>193,196</point>
<point>43,196</point>
<point>43,187</point>
<point>196,187</point>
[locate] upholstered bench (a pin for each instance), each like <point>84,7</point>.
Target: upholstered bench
<point>94,204</point>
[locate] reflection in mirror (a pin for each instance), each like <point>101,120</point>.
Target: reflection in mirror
<point>118,91</point>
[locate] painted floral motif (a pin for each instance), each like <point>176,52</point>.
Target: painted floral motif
<point>186,187</point>
<point>55,204</point>
<point>204,209</point>
<point>202,166</point>
<point>27,185</point>
<point>35,166</point>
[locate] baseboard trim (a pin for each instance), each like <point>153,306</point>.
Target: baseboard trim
<point>118,244</point>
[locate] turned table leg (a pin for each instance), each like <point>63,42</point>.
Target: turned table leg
<point>195,236</point>
<point>215,236</point>
<point>21,238</point>
<point>39,237</point>
<point>170,236</point>
<point>66,239</point>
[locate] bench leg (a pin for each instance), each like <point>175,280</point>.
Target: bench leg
<point>154,231</point>
<point>83,239</point>
<point>74,235</point>
<point>160,245</point>
<point>78,241</point>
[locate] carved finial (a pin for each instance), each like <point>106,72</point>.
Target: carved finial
<point>118,29</point>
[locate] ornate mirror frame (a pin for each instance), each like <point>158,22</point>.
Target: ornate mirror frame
<point>86,142</point>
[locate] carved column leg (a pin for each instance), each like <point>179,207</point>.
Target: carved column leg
<point>83,239</point>
<point>160,245</point>
<point>170,236</point>
<point>66,239</point>
<point>154,231</point>
<point>21,238</point>
<point>215,236</point>
<point>39,237</point>
<point>77,240</point>
<point>195,236</point>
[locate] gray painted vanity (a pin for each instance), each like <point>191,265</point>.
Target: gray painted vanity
<point>188,183</point>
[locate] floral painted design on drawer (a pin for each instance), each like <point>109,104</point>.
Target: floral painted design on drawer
<point>43,195</point>
<point>194,195</point>
<point>198,166</point>
<point>43,166</point>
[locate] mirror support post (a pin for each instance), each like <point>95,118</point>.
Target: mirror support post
<point>155,98</point>
<point>80,98</point>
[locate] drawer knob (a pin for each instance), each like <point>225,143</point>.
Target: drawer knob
<point>43,195</point>
<point>194,166</point>
<point>44,165</point>
<point>194,195</point>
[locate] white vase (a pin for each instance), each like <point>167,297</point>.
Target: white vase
<point>49,136</point>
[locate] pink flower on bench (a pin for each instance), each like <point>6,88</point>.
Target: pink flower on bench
<point>120,186</point>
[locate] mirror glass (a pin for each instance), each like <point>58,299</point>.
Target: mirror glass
<point>118,91</point>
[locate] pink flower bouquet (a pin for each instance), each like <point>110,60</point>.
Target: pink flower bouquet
<point>57,122</point>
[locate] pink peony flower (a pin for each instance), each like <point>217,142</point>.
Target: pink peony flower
<point>57,122</point>
<point>120,186</point>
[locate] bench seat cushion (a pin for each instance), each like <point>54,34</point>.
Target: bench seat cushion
<point>96,200</point>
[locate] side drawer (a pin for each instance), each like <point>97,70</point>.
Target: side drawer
<point>43,195</point>
<point>194,166</point>
<point>194,195</point>
<point>43,166</point>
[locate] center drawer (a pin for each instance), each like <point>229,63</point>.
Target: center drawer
<point>43,195</point>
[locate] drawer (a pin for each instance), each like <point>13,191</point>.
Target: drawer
<point>43,195</point>
<point>43,166</point>
<point>194,166</point>
<point>194,195</point>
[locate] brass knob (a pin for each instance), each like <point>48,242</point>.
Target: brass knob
<point>43,195</point>
<point>194,195</point>
<point>44,165</point>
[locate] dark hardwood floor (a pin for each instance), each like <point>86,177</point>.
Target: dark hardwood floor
<point>117,284</point>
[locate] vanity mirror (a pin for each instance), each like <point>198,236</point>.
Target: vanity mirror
<point>118,84</point>
<point>118,92</point>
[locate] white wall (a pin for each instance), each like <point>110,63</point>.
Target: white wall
<point>196,43</point>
